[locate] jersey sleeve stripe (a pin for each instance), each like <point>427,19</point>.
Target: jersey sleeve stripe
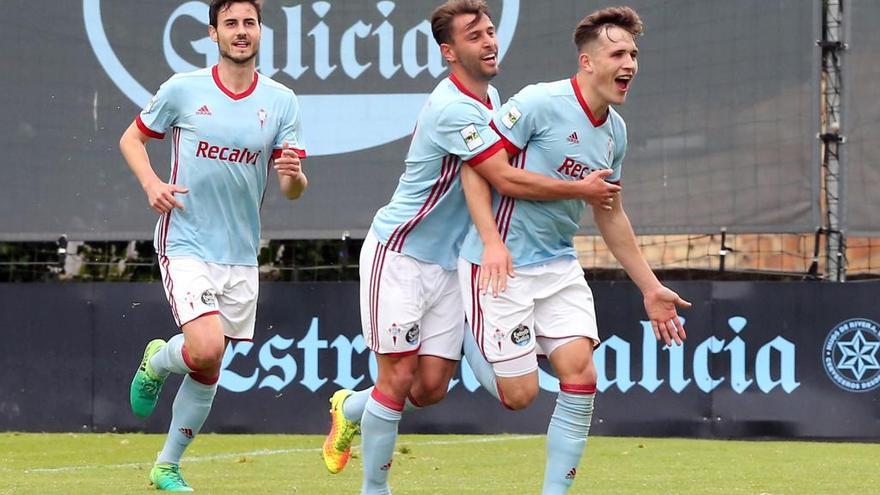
<point>276,153</point>
<point>486,153</point>
<point>511,148</point>
<point>147,131</point>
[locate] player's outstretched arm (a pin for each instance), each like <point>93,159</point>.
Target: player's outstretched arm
<point>496,264</point>
<point>522,184</point>
<point>290,173</point>
<point>660,301</point>
<point>159,194</point>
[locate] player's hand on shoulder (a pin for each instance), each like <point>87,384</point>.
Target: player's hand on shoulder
<point>597,192</point>
<point>496,266</point>
<point>660,304</point>
<point>289,163</point>
<point>160,195</point>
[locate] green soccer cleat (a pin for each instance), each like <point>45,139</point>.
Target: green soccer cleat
<point>167,477</point>
<point>145,386</point>
<point>337,446</point>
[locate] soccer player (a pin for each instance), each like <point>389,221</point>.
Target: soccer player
<point>230,127</point>
<point>563,129</point>
<point>411,308</point>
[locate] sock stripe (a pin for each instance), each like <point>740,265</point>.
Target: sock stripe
<point>386,401</point>
<point>573,388</point>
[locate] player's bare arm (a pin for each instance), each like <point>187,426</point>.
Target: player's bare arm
<point>660,301</point>
<point>160,194</point>
<point>290,173</point>
<point>522,184</point>
<point>496,264</point>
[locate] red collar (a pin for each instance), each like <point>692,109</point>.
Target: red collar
<point>460,86</point>
<point>227,91</point>
<point>580,98</point>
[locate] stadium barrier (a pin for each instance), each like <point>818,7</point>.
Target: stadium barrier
<point>797,360</point>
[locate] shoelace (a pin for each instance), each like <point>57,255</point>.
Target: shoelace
<point>174,472</point>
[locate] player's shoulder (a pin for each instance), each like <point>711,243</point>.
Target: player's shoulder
<point>447,101</point>
<point>616,119</point>
<point>276,87</point>
<point>190,77</point>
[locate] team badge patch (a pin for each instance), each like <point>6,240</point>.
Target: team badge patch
<point>394,331</point>
<point>412,335</point>
<point>511,117</point>
<point>521,336</point>
<point>262,116</point>
<point>208,298</point>
<point>471,137</point>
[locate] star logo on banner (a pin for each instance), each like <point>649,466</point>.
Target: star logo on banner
<point>858,355</point>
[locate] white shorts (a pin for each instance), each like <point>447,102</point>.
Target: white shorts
<point>195,288</point>
<point>544,307</point>
<point>408,306</point>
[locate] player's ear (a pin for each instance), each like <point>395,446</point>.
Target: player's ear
<point>212,32</point>
<point>585,63</point>
<point>448,53</point>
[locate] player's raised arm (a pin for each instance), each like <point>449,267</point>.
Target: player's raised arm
<point>660,301</point>
<point>160,195</point>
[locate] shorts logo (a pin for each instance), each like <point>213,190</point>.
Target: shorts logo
<point>208,298</point>
<point>412,335</point>
<point>394,331</point>
<point>521,335</point>
<point>511,117</point>
<point>499,337</point>
<point>471,137</point>
<point>850,355</point>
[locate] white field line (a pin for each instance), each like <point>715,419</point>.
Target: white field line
<point>267,452</point>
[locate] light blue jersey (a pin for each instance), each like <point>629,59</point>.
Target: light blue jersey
<point>552,132</point>
<point>222,147</point>
<point>427,217</point>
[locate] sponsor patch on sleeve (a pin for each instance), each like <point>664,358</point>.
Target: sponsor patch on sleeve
<point>471,137</point>
<point>511,117</point>
<point>150,105</point>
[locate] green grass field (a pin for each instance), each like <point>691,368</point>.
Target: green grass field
<point>439,464</point>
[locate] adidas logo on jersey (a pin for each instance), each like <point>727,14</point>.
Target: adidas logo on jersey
<point>571,474</point>
<point>203,110</point>
<point>573,138</point>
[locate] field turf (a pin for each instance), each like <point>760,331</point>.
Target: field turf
<point>439,464</point>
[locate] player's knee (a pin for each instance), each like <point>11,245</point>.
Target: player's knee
<point>422,396</point>
<point>519,397</point>
<point>205,357</point>
<point>400,382</point>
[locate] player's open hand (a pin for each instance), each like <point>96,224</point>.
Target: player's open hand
<point>495,266</point>
<point>161,196</point>
<point>597,192</point>
<point>288,164</point>
<point>660,305</point>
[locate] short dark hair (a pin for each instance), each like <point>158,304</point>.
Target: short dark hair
<point>441,19</point>
<point>590,26</point>
<point>218,6</point>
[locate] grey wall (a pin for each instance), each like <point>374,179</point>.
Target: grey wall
<point>722,117</point>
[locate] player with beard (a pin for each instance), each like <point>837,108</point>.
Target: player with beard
<point>411,309</point>
<point>230,127</point>
<point>564,130</point>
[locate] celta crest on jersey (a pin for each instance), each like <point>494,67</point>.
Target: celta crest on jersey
<point>235,155</point>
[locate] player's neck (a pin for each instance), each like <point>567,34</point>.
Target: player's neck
<point>477,87</point>
<point>236,77</point>
<point>598,106</point>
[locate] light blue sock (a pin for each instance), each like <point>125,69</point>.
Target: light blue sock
<point>483,371</point>
<point>191,407</point>
<point>379,435</point>
<point>566,440</point>
<point>353,406</point>
<point>169,359</point>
